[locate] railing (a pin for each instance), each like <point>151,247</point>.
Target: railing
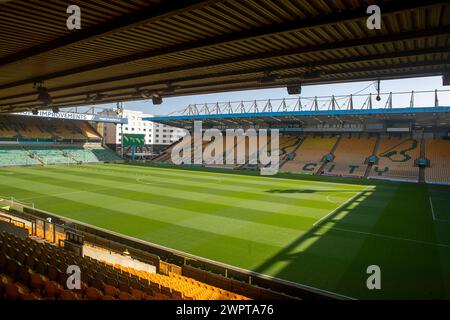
<point>14,203</point>
<point>12,220</point>
<point>335,102</point>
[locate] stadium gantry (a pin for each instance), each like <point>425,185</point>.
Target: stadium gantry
<point>159,231</point>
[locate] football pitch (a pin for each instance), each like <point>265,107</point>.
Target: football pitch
<point>316,231</point>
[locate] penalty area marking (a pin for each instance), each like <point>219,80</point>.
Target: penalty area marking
<point>330,196</point>
<point>378,235</point>
<point>433,213</point>
<point>315,224</point>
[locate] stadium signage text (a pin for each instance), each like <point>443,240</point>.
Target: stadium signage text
<point>59,115</point>
<point>252,140</point>
<point>74,116</point>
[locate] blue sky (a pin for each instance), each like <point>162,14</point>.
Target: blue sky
<point>170,105</point>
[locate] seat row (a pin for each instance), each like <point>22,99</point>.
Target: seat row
<point>31,270</point>
<point>39,270</point>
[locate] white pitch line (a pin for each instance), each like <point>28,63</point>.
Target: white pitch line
<point>343,204</point>
<point>329,197</point>
<point>388,237</point>
<point>434,216</point>
<point>432,209</point>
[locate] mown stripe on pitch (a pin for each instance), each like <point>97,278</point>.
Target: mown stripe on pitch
<point>321,201</point>
<point>322,206</point>
<point>254,180</point>
<point>221,186</point>
<point>185,218</point>
<point>198,207</point>
<point>202,180</point>
<point>163,233</point>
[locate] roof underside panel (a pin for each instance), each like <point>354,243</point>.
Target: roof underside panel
<point>188,47</point>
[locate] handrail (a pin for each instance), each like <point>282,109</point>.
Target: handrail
<point>334,102</point>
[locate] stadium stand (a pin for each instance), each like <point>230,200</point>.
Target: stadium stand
<point>396,158</point>
<point>164,157</point>
<point>55,154</point>
<point>308,158</point>
<point>89,131</point>
<point>31,270</point>
<point>232,149</point>
<point>243,143</point>
<point>196,149</point>
<point>102,154</point>
<point>33,128</point>
<point>350,156</point>
<point>438,153</point>
<point>16,156</point>
<point>38,141</point>
<point>80,154</point>
<point>50,155</point>
<point>288,144</point>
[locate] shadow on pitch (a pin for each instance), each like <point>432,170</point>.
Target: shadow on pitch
<point>334,253</point>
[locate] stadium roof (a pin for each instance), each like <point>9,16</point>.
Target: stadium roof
<point>420,116</point>
<point>130,50</point>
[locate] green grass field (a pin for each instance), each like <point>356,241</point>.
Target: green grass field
<point>321,232</point>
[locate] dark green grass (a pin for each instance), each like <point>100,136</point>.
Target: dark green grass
<point>321,232</point>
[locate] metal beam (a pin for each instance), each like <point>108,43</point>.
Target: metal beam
<point>278,68</point>
<point>243,59</point>
<point>390,7</point>
<point>238,85</point>
<point>147,15</point>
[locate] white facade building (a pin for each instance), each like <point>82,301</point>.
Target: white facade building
<point>155,133</point>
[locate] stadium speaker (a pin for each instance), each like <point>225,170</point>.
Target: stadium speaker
<point>44,96</point>
<point>446,79</point>
<point>294,89</point>
<point>157,99</point>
